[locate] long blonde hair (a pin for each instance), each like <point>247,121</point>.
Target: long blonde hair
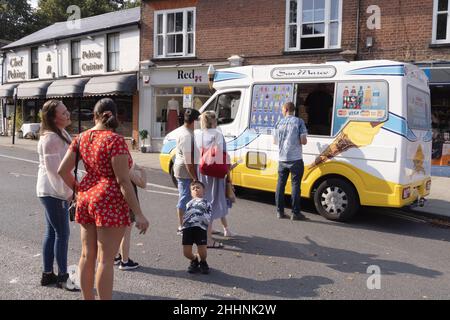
<point>208,120</point>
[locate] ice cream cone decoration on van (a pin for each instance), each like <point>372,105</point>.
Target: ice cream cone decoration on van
<point>354,135</point>
<point>418,160</point>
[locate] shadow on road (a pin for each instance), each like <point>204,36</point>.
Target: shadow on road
<point>288,288</point>
<point>341,260</point>
<point>383,220</point>
<point>119,295</point>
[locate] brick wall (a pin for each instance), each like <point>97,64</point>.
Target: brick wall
<point>255,30</point>
<point>405,34</point>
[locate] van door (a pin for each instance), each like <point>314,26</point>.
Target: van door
<point>227,105</point>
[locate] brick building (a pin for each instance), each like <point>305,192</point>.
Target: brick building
<point>180,38</point>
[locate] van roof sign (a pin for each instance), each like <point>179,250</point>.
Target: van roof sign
<point>303,72</point>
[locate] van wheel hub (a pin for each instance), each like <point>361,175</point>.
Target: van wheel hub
<point>334,200</point>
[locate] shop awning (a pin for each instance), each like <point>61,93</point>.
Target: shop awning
<point>121,84</point>
<point>7,90</point>
<point>33,90</point>
<point>67,88</point>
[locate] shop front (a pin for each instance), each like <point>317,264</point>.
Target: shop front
<point>6,107</point>
<point>165,93</point>
<point>439,81</point>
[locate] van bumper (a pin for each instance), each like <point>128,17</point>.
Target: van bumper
<point>164,162</point>
<point>417,193</point>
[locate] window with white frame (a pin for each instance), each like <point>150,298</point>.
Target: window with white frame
<point>441,21</point>
<point>34,63</point>
<point>313,24</point>
<point>174,33</point>
<point>76,57</point>
<point>113,52</point>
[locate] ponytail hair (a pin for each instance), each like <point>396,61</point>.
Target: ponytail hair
<point>106,110</point>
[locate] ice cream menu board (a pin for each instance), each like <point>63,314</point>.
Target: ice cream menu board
<point>267,101</point>
<point>360,101</point>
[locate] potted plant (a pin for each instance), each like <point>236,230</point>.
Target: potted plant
<point>144,135</point>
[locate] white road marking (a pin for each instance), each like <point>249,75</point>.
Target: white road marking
<point>160,192</point>
<point>148,184</point>
<point>161,187</point>
<point>17,175</point>
<point>21,159</point>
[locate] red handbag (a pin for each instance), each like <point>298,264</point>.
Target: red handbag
<point>213,162</point>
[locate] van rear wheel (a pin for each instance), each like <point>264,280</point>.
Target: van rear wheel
<point>336,199</point>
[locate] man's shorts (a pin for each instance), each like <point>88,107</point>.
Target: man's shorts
<point>194,235</point>
<point>184,192</point>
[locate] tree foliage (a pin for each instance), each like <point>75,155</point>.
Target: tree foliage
<point>17,19</point>
<point>51,11</point>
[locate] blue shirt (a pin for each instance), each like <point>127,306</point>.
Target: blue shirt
<point>287,132</point>
<point>197,214</point>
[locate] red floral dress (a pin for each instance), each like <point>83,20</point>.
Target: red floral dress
<point>99,199</point>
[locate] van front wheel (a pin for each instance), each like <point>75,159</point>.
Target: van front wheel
<point>172,177</point>
<point>336,199</point>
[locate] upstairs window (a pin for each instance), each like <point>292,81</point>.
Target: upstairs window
<point>76,56</point>
<point>174,33</point>
<point>441,21</point>
<point>34,63</point>
<point>313,24</point>
<point>113,52</point>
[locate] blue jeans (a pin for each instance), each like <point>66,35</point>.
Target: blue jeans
<point>184,191</point>
<point>296,169</point>
<point>56,241</point>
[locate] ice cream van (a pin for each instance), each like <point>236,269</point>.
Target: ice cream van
<point>369,131</point>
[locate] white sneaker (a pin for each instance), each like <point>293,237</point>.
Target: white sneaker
<point>228,233</point>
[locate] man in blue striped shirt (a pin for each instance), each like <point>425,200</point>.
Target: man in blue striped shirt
<point>290,134</point>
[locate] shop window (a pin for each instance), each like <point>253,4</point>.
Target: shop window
<point>169,108</point>
<point>440,122</point>
<point>441,21</point>
<point>175,33</point>
<point>34,63</point>
<point>75,56</point>
<point>113,52</point>
<point>85,115</point>
<point>313,24</point>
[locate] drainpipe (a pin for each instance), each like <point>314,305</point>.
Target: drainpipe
<point>358,12</point>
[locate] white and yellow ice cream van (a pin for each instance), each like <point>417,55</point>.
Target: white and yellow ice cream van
<point>369,131</point>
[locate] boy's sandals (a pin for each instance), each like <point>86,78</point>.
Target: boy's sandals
<point>215,245</point>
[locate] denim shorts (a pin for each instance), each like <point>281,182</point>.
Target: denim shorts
<point>184,192</point>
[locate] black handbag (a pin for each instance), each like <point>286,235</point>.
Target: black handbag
<point>73,203</point>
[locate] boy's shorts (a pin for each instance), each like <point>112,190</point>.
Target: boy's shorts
<point>194,235</point>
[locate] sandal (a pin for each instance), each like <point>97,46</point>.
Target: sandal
<point>215,245</point>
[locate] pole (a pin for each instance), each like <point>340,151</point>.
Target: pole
<point>78,100</point>
<point>15,114</point>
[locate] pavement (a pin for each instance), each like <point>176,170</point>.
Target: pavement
<point>437,204</point>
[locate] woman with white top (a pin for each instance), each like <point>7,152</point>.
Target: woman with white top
<point>215,188</point>
<point>53,192</point>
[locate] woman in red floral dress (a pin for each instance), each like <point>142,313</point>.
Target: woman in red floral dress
<point>104,198</point>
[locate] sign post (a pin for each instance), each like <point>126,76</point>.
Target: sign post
<point>188,97</point>
<point>15,115</point>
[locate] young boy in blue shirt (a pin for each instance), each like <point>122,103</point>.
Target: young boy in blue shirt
<point>196,219</point>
